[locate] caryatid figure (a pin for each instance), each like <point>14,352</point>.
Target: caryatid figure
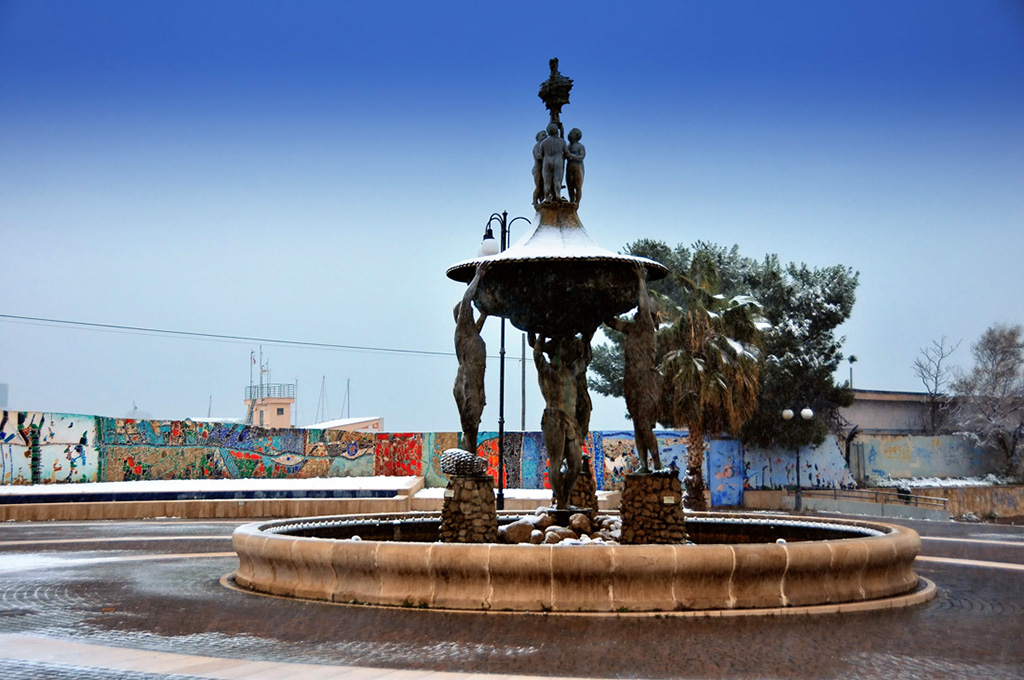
<point>472,354</point>
<point>583,354</point>
<point>642,381</point>
<point>554,151</point>
<point>561,429</point>
<point>574,168</point>
<point>538,178</point>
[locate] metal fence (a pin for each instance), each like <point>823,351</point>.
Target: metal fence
<point>899,496</point>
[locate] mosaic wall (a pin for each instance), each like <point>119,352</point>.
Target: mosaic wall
<point>60,448</point>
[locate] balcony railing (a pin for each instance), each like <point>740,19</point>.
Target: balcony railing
<point>270,391</point>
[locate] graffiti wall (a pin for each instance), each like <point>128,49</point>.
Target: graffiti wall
<point>922,456</point>
<point>46,448</point>
<point>61,448</point>
<point>68,449</point>
<point>821,467</point>
<point>724,461</point>
<point>16,444</point>
<point>620,457</point>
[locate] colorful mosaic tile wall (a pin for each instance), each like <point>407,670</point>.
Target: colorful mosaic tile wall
<point>61,448</point>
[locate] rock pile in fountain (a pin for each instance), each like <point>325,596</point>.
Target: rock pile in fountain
<point>541,528</point>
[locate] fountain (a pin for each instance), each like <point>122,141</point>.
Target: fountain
<point>559,286</point>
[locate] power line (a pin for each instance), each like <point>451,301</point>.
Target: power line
<point>217,336</point>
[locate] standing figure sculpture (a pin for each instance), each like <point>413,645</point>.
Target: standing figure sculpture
<point>554,152</point>
<point>538,177</point>
<point>472,354</point>
<point>574,168</point>
<point>642,381</point>
<point>583,354</point>
<point>561,436</point>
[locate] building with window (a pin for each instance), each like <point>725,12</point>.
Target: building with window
<point>269,404</point>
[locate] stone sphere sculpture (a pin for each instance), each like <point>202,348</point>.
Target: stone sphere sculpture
<point>462,463</point>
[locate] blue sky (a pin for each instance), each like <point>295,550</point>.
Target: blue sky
<point>308,170</point>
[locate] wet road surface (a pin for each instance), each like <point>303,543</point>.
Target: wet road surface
<point>152,587</point>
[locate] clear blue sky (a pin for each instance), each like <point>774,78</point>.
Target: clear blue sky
<point>308,170</point>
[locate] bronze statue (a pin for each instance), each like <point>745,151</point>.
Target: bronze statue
<point>555,92</point>
<point>642,381</point>
<point>538,179</point>
<point>472,354</point>
<point>554,151</point>
<point>583,355</point>
<point>561,430</point>
<point>574,168</point>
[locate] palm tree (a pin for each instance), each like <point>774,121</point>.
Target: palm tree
<point>710,364</point>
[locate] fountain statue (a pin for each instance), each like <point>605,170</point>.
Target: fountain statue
<point>559,286</point>
<point>471,352</point>
<point>642,380</point>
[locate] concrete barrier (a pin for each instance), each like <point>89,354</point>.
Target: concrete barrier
<point>983,501</point>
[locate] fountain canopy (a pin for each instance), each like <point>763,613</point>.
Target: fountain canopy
<point>556,281</point>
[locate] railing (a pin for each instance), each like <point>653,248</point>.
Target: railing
<point>270,391</point>
<point>878,496</point>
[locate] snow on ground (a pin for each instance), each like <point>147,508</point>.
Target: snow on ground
<point>920,482</point>
<point>536,494</point>
<point>184,485</point>
<point>393,483</point>
<point>312,483</point>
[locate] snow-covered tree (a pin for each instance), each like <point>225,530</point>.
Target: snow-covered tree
<point>936,374</point>
<point>798,309</point>
<point>990,397</point>
<point>804,306</point>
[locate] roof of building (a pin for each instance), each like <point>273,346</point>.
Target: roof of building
<point>886,395</point>
<point>341,422</point>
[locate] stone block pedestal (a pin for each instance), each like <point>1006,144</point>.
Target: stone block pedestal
<point>469,514</point>
<point>652,509</point>
<point>584,493</point>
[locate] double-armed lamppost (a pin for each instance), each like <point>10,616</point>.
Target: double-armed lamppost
<point>806,414</point>
<point>490,247</point>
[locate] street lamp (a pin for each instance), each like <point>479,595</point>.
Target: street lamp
<point>487,248</point>
<point>787,415</point>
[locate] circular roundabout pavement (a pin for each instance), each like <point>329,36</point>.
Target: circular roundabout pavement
<point>134,600</point>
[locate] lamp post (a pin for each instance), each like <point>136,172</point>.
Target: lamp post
<point>787,415</point>
<point>489,247</point>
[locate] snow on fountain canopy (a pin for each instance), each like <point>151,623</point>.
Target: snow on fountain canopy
<point>556,280</point>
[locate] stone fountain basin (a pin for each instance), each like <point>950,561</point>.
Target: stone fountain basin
<point>821,562</point>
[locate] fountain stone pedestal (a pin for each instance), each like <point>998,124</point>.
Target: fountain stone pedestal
<point>468,514</point>
<point>652,509</point>
<point>584,493</point>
